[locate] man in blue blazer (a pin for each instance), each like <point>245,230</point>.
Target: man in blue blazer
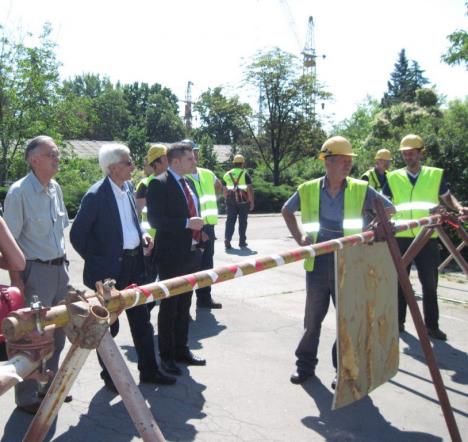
<point>173,210</point>
<point>107,235</point>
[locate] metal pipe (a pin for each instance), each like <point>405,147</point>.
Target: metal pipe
<point>130,393</point>
<point>15,370</point>
<point>92,327</point>
<point>453,251</point>
<point>15,326</point>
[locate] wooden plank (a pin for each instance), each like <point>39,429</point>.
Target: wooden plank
<point>367,320</point>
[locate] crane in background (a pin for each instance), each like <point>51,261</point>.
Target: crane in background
<point>188,107</point>
<point>309,63</point>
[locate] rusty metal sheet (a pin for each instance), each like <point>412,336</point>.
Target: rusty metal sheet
<point>367,320</point>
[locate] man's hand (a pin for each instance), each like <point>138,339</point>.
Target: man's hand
<point>304,240</point>
<point>251,206</point>
<point>462,211</point>
<point>195,223</point>
<point>148,242</point>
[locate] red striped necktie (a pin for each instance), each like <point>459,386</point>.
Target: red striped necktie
<point>196,234</point>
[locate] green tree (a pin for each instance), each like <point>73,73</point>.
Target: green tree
<point>221,118</point>
<point>405,80</point>
<point>457,53</point>
<point>207,156</point>
<point>29,81</point>
<point>287,129</point>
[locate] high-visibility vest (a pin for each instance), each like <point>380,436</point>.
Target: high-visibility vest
<point>205,187</point>
<point>373,179</point>
<point>354,197</point>
<point>413,202</point>
<point>235,174</point>
<point>145,225</point>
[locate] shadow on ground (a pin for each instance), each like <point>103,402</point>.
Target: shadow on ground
<point>360,421</point>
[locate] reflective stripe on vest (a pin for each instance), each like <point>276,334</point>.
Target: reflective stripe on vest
<point>354,197</point>
<point>414,202</point>
<point>205,187</point>
<point>145,225</point>
<point>374,182</point>
<point>242,185</point>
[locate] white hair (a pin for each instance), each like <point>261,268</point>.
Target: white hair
<point>110,154</point>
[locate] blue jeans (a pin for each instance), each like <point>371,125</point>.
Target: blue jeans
<point>320,287</point>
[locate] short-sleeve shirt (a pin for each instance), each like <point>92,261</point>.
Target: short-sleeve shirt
<point>37,216</point>
<point>443,189</point>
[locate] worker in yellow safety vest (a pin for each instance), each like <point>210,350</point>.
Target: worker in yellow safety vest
<point>155,164</point>
<point>239,196</point>
<point>415,190</point>
<point>207,186</point>
<point>377,176</point>
<point>332,206</point>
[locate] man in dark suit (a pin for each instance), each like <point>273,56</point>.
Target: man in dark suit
<point>173,209</point>
<point>107,235</point>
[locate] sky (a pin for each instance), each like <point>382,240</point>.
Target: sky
<point>209,42</point>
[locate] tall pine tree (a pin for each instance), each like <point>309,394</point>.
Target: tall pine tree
<point>405,80</point>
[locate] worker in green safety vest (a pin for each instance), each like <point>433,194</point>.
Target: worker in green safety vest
<point>207,186</point>
<point>377,176</point>
<point>415,190</point>
<point>239,195</point>
<point>155,164</point>
<point>332,206</point>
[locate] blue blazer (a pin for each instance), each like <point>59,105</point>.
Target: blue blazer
<point>96,233</point>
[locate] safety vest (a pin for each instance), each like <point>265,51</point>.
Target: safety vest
<point>235,174</point>
<point>413,202</point>
<point>145,225</point>
<point>354,196</point>
<point>373,179</point>
<point>205,187</point>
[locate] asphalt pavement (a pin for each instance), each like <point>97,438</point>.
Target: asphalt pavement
<point>244,393</point>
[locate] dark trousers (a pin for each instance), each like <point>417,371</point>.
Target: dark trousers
<point>427,263</point>
<point>320,287</point>
<point>174,312</point>
<point>204,294</point>
<point>139,319</point>
<point>234,211</point>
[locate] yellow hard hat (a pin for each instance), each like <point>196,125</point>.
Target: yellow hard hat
<point>155,151</point>
<point>411,141</point>
<point>238,159</point>
<point>336,146</point>
<point>383,154</point>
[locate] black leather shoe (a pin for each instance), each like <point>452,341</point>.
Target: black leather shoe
<point>300,376</point>
<point>109,383</point>
<point>210,305</point>
<point>227,245</point>
<point>169,366</point>
<point>437,333</point>
<point>157,377</point>
<point>190,359</point>
<point>333,384</point>
<point>29,408</point>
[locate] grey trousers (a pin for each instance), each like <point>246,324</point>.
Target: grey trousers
<point>320,287</point>
<point>50,284</point>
